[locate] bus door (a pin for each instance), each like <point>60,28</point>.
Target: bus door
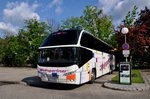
<point>105,63</point>
<point>98,62</point>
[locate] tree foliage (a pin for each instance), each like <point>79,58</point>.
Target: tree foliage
<point>32,36</point>
<point>131,17</point>
<point>72,23</point>
<point>22,49</point>
<point>138,36</point>
<point>94,21</point>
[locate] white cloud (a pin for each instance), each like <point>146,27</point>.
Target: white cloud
<point>119,8</point>
<point>57,5</point>
<point>8,27</point>
<point>18,12</point>
<point>107,5</point>
<point>15,14</point>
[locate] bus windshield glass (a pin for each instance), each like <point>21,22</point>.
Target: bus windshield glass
<point>66,37</point>
<point>58,56</point>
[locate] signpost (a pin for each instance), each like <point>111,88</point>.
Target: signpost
<point>125,50</point>
<point>125,67</point>
<point>125,46</point>
<point>126,53</point>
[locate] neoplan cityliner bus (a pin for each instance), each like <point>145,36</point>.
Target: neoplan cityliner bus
<point>74,57</point>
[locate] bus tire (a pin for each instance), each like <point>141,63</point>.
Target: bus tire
<point>93,76</point>
<point>111,69</point>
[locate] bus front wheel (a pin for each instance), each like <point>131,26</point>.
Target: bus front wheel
<point>93,76</point>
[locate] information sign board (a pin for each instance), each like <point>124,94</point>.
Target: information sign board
<point>125,73</point>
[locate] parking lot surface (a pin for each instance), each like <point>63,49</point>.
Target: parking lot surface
<point>23,83</point>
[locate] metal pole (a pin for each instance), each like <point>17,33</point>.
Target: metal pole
<point>125,39</point>
<point>126,42</point>
<point>126,59</point>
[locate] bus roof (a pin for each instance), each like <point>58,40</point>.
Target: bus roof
<point>62,37</point>
<point>70,38</point>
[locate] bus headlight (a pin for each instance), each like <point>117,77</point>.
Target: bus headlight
<point>69,73</point>
<point>71,76</point>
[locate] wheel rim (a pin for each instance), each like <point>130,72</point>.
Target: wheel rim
<point>93,76</point>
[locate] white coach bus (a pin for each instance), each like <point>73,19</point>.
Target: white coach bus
<point>74,57</point>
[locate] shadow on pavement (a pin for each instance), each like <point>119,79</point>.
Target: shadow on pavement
<point>100,82</point>
<point>36,82</point>
<point>8,82</point>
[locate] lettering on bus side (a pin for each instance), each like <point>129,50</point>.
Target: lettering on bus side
<point>104,65</point>
<point>52,71</point>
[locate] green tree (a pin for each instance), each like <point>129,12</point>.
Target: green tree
<point>94,21</point>
<point>138,37</point>
<point>22,49</point>
<point>31,37</point>
<point>130,18</point>
<point>72,23</point>
<point>11,52</point>
<point>2,45</point>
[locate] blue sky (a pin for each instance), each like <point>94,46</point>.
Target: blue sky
<point>14,12</point>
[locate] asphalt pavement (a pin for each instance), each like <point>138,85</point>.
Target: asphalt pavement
<point>28,76</point>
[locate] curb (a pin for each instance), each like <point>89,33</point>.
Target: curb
<point>23,83</point>
<point>133,87</point>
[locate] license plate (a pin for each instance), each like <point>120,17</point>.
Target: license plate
<point>51,78</point>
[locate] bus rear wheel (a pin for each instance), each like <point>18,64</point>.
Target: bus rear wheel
<point>111,69</point>
<point>93,76</point>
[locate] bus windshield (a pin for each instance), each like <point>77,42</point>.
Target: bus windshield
<point>62,38</point>
<point>60,56</point>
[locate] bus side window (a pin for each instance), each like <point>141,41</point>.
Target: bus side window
<point>89,41</point>
<point>86,40</point>
<point>85,56</point>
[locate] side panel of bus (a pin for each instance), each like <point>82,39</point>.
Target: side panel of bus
<point>100,61</point>
<point>85,72</point>
<point>106,63</point>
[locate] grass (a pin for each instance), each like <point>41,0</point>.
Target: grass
<point>137,78</point>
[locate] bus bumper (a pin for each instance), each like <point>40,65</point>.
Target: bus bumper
<point>53,78</point>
